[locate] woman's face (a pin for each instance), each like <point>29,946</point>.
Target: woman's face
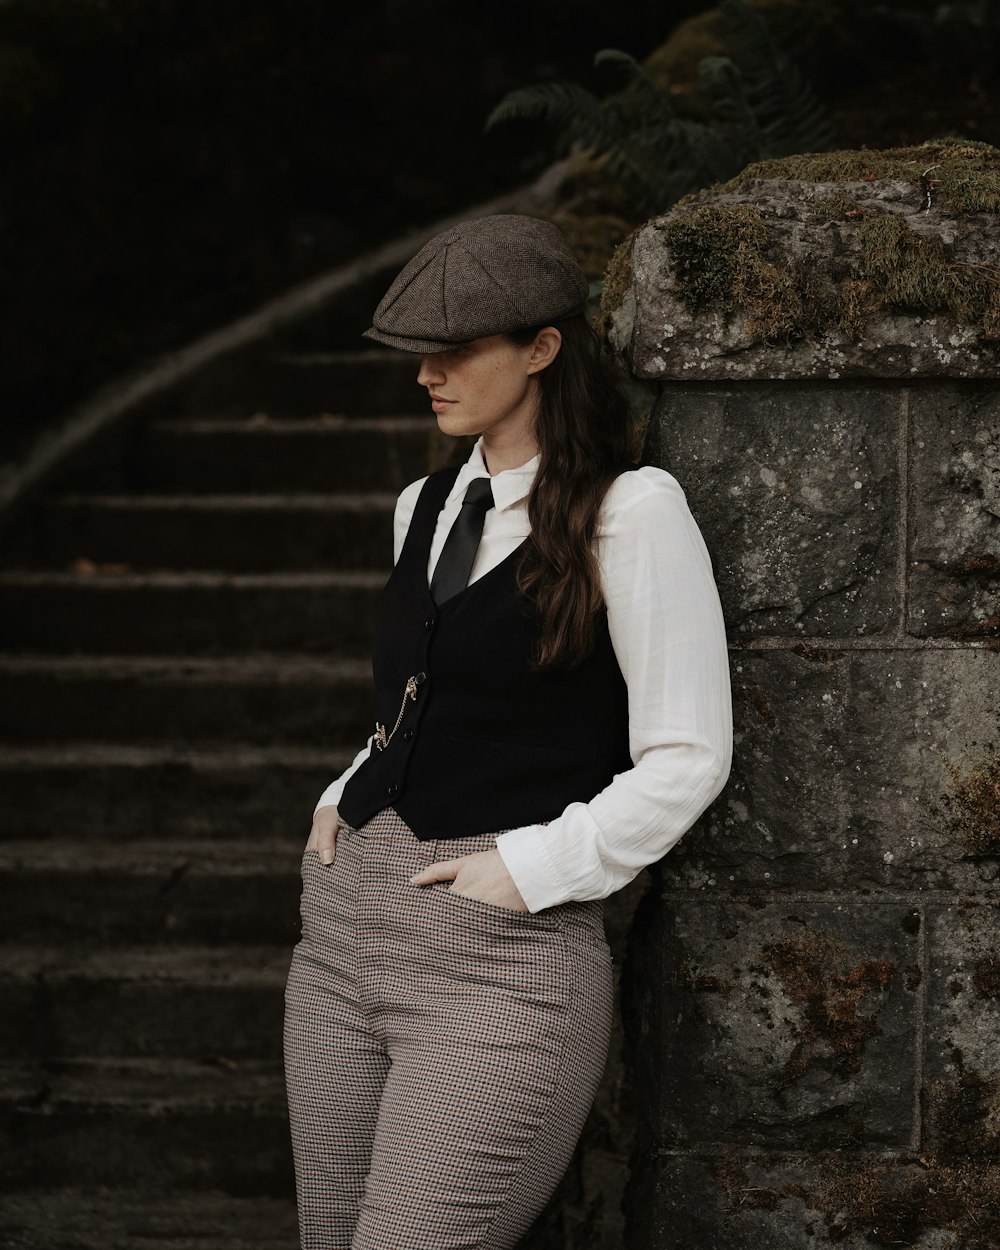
<point>489,383</point>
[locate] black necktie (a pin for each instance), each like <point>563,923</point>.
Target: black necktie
<point>451,573</point>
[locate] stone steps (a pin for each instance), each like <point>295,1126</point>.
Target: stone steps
<point>238,533</point>
<point>185,637</point>
<point>168,1123</point>
<point>303,454</point>
<point>188,611</point>
<point>213,890</point>
<point>74,1218</point>
<point>279,384</point>
<point>370,382</point>
<point>264,699</point>
<point>110,793</point>
<point>192,1002</point>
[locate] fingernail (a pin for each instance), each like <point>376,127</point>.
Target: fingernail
<point>326,856</point>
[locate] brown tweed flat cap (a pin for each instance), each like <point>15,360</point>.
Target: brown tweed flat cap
<point>484,276</point>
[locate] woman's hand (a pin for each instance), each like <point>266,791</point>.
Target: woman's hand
<point>483,875</point>
<point>323,834</point>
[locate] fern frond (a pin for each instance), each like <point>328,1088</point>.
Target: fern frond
<point>789,116</point>
<point>761,108</point>
<point>725,85</point>
<point>556,103</point>
<point>653,104</point>
<point>572,112</point>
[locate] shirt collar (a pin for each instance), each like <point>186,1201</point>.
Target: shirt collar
<point>510,486</point>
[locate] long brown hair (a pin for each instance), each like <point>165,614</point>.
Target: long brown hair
<point>582,431</point>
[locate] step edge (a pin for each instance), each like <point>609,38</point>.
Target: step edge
<point>273,665</point>
<point>333,501</point>
<point>211,579</point>
<point>88,754</point>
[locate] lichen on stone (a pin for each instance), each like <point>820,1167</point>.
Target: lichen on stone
<point>975,806</point>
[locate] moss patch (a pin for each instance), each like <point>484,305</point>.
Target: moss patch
<point>975,806</point>
<point>812,969</point>
<point>967,173</point>
<point>888,1202</point>
<point>720,257</point>
<point>965,1113</point>
<point>724,256</point>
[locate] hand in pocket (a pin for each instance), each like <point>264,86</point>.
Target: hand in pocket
<point>323,834</point>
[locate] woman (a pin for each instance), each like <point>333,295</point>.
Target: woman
<point>553,712</point>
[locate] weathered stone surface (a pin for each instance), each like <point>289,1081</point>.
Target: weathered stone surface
<point>736,1201</point>
<point>789,1024</point>
<point>812,994</point>
<point>853,770</point>
<point>963,1031</point>
<point>796,491</point>
<point>955,512</point>
<point>661,335</point>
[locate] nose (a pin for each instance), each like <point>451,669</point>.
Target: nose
<point>429,372</point>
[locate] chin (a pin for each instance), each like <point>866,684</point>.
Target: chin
<point>455,426</point>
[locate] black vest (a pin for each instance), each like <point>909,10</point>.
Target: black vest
<point>483,743</point>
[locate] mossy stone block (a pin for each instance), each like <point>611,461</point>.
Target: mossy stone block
<point>829,265</point>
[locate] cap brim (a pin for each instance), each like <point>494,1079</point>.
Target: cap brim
<point>424,346</point>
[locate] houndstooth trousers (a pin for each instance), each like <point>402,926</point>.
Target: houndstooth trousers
<point>441,1052</point>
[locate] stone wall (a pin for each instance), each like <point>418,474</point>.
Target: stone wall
<point>812,994</point>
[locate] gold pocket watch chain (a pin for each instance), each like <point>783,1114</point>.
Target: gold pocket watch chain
<point>381,740</point>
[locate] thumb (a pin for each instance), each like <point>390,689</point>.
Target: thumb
<point>444,870</point>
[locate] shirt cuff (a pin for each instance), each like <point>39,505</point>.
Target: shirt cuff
<point>331,795</point>
<point>529,864</point>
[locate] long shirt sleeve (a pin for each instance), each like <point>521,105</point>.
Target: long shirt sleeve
<point>667,628</point>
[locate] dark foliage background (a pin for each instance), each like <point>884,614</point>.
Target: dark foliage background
<point>166,164</point>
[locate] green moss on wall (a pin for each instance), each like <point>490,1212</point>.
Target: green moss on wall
<point>723,254</point>
<point>967,172</point>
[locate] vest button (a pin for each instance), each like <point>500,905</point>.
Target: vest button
<point>429,623</point>
<point>408,735</point>
<point>392,790</point>
<point>420,678</point>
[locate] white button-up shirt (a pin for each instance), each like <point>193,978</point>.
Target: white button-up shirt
<point>668,633</point>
